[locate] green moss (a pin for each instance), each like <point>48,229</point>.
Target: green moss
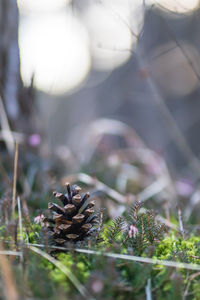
<point>196,290</point>
<point>183,250</point>
<point>76,265</point>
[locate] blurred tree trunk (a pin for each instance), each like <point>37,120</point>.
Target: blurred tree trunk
<point>15,97</point>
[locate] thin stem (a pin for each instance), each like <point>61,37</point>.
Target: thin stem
<point>15,181</point>
<point>20,228</point>
<point>181,223</point>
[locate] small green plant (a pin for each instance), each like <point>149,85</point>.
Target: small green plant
<point>113,232</point>
<point>135,231</point>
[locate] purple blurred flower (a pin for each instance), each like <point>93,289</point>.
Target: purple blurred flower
<point>184,187</point>
<point>97,286</point>
<point>34,140</point>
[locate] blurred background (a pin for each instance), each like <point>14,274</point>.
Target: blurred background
<point>93,76</point>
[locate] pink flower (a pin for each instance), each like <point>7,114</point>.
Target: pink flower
<point>133,231</point>
<point>39,219</point>
<point>157,241</point>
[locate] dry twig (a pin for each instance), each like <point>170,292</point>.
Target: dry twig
<point>9,285</point>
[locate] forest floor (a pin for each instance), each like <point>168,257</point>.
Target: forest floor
<point>144,243</point>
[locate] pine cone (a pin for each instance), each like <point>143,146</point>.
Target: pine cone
<point>75,220</point>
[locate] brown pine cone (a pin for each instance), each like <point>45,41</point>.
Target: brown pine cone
<point>75,220</point>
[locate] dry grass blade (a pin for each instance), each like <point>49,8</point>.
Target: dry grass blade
<point>181,223</point>
<point>14,180</point>
<point>63,268</point>
<point>155,188</point>
<point>9,285</point>
<point>166,222</point>
<point>8,252</point>
<point>96,130</point>
<point>193,276</point>
<point>148,290</point>
<point>127,257</point>
<point>17,136</point>
<point>116,196</point>
<point>100,186</point>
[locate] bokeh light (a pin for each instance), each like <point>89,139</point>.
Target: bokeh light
<point>109,28</point>
<point>55,48</point>
<point>172,70</point>
<point>37,6</point>
<point>179,6</point>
